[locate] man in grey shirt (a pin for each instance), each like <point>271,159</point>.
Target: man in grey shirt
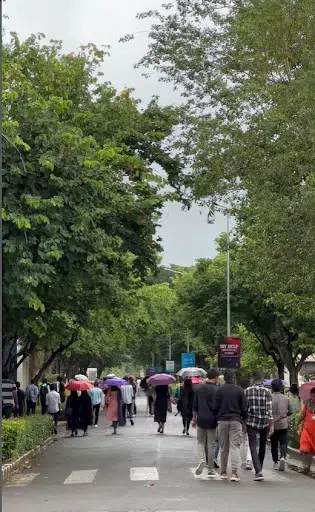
<point>281,410</point>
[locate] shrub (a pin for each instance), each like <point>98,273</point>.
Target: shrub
<point>294,438</point>
<point>23,434</point>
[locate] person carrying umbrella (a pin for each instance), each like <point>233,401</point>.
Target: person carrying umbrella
<point>307,440</point>
<point>74,404</point>
<point>113,409</point>
<point>161,381</point>
<point>86,411</point>
<point>185,404</point>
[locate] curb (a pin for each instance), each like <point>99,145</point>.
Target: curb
<point>8,469</point>
<point>295,461</point>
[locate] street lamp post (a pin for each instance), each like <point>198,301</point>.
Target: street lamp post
<point>228,303</point>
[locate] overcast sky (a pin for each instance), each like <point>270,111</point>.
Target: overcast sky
<point>186,235</point>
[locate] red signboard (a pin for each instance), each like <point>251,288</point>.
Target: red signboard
<point>229,355</point>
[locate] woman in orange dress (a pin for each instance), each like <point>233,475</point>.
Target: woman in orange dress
<point>307,440</point>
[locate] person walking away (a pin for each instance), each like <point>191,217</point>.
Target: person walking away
<point>127,394</point>
<point>294,398</point>
<point>259,421</point>
<point>96,395</point>
<point>281,410</point>
<point>246,457</point>
<point>43,391</point>
<point>20,400</point>
<point>161,405</point>
<point>307,440</point>
<point>150,394</point>
<point>86,411</point>
<point>31,393</point>
<point>230,407</point>
<point>114,408</point>
<point>9,397</point>
<point>186,404</point>
<point>60,388</point>
<point>53,402</point>
<point>138,387</point>
<point>132,381</point>
<point>206,421</point>
<point>73,412</point>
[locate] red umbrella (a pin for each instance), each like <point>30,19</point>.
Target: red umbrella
<point>79,385</point>
<point>196,380</point>
<point>305,389</point>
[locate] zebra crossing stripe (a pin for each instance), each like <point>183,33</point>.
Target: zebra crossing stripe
<point>82,476</point>
<point>140,474</point>
<point>21,480</point>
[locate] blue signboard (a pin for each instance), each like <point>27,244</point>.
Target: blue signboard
<point>188,360</point>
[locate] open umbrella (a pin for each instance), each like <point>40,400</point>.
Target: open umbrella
<point>192,372</point>
<point>79,385</point>
<point>116,381</point>
<point>305,390</point>
<point>81,377</point>
<point>110,376</point>
<point>161,379</point>
<point>196,380</point>
<point>268,382</point>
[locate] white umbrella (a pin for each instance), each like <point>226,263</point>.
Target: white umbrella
<point>192,372</point>
<point>110,376</point>
<point>81,377</point>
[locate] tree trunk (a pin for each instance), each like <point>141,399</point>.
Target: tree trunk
<point>280,370</point>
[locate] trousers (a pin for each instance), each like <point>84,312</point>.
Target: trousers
<point>230,433</point>
<point>257,457</point>
<point>206,438</point>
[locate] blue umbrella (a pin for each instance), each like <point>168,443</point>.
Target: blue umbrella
<point>116,381</point>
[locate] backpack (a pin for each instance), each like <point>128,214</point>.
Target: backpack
<point>43,392</point>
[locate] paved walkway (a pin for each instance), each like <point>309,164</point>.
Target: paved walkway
<point>139,470</point>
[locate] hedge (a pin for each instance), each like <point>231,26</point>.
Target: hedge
<point>23,434</point>
<point>294,438</point>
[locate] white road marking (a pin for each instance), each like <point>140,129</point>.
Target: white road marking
<point>21,480</point>
<point>204,475</point>
<point>82,476</point>
<point>138,474</point>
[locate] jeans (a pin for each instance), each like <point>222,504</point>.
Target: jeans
<point>186,424</point>
<point>245,450</point>
<point>96,409</point>
<point>206,437</point>
<point>279,437</point>
<point>258,458</point>
<point>230,433</point>
<point>7,411</point>
<point>127,408</point>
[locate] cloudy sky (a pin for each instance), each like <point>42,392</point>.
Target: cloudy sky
<point>186,235</point>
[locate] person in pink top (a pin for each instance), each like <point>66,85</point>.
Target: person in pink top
<point>113,411</point>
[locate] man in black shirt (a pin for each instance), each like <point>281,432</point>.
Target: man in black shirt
<point>231,409</point>
<point>206,421</point>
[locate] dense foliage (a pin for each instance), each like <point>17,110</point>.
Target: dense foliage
<point>23,434</point>
<point>81,201</point>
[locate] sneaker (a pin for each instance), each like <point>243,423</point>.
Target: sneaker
<point>132,423</point>
<point>282,464</point>
<point>184,431</point>
<point>258,477</point>
<point>249,465</point>
<point>216,464</point>
<point>212,473</point>
<point>95,426</point>
<point>235,477</point>
<point>201,467</point>
<point>223,476</point>
<point>276,466</point>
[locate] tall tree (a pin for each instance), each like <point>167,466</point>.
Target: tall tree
<point>81,206</point>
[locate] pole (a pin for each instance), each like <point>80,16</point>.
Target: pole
<point>187,338</point>
<point>170,347</point>
<point>228,305</point>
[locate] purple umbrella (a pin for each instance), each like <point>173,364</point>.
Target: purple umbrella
<point>268,382</point>
<point>161,379</point>
<point>116,381</point>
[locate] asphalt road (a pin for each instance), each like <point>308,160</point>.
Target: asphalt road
<point>139,470</point>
